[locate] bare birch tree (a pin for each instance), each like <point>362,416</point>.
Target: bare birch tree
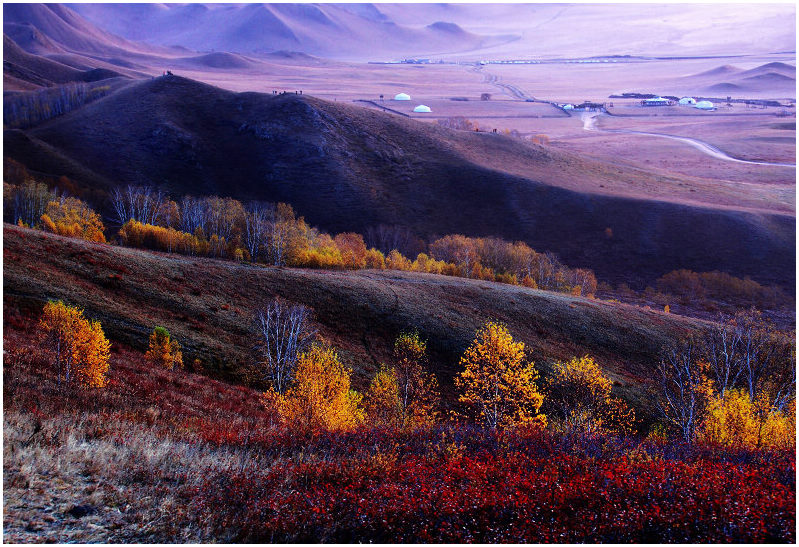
<point>256,222</point>
<point>141,203</point>
<point>191,216</point>
<point>30,202</point>
<point>285,331</point>
<point>680,382</point>
<point>722,351</point>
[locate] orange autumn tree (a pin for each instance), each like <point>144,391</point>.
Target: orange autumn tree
<point>497,381</point>
<point>80,348</point>
<point>73,218</point>
<point>732,419</point>
<point>382,400</point>
<point>418,389</point>
<point>579,395</point>
<point>321,398</point>
<point>164,350</point>
<point>405,395</point>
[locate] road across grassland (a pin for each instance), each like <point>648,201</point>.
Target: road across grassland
<point>589,124</point>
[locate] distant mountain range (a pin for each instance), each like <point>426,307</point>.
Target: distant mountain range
<point>327,30</point>
<point>372,31</point>
<point>775,76</point>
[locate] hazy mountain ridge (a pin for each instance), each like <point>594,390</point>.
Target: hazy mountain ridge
<point>369,30</point>
<point>327,30</point>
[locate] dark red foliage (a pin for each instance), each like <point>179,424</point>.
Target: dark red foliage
<point>502,498</point>
<point>452,483</point>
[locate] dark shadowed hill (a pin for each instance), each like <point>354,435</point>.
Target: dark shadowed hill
<point>209,306</point>
<point>349,168</point>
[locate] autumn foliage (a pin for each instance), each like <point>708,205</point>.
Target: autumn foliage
<point>164,351</point>
<point>534,493</point>
<point>79,346</point>
<point>418,388</point>
<point>321,398</point>
<point>734,386</point>
<point>382,400</point>
<point>405,395</point>
<point>734,420</point>
<point>209,457</point>
<point>72,217</point>
<point>579,394</point>
<point>497,382</point>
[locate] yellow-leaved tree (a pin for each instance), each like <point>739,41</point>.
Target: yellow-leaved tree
<point>734,420</point>
<point>418,389</point>
<point>497,381</point>
<point>579,395</point>
<point>164,350</point>
<point>406,395</point>
<point>80,348</point>
<point>73,218</point>
<point>382,400</point>
<point>321,397</point>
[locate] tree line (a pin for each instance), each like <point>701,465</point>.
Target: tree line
<point>26,109</point>
<point>273,234</point>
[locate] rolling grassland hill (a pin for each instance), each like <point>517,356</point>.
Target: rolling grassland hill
<point>209,307</point>
<point>348,168</point>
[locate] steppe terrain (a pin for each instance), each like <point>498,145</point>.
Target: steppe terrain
<point>647,395</point>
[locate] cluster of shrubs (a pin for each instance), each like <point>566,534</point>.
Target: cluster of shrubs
<point>539,491</point>
<point>707,292</point>
<point>689,286</point>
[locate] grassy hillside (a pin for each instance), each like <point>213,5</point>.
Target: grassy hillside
<point>209,304</point>
<point>161,456</point>
<point>348,168</point>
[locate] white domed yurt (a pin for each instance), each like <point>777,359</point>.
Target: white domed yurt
<point>704,105</point>
<point>402,97</point>
<point>568,106</point>
<point>687,100</point>
<point>422,108</point>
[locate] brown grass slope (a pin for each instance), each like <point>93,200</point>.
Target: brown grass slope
<point>348,168</point>
<point>35,69</point>
<point>23,70</point>
<point>209,304</point>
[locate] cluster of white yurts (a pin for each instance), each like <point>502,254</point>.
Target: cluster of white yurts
<point>701,105</point>
<point>406,97</point>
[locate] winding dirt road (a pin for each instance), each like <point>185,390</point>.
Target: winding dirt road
<point>589,124</point>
